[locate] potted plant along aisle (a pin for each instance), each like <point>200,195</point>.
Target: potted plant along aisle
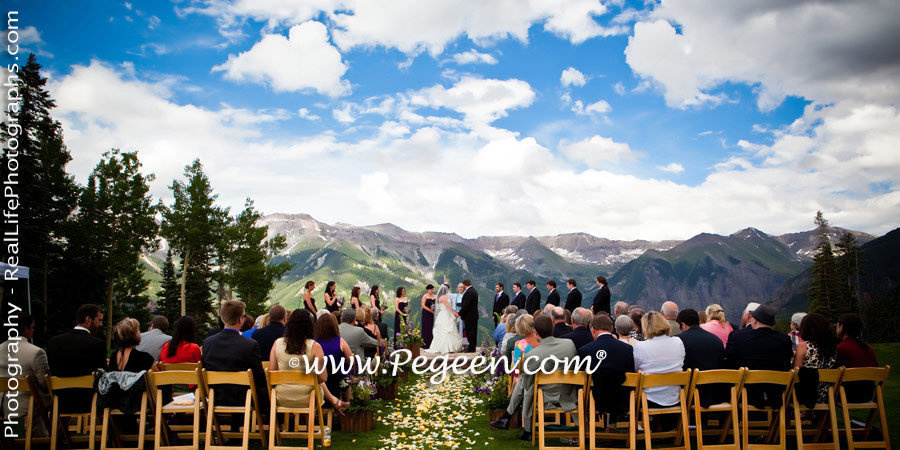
<point>360,416</point>
<point>411,338</point>
<point>493,389</point>
<point>385,379</point>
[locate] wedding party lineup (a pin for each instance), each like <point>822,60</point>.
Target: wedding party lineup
<point>451,224</point>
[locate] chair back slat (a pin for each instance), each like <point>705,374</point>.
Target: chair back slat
<point>180,366</point>
<point>769,377</point>
<point>728,376</point>
<point>61,383</point>
<point>244,378</point>
<point>876,374</point>
<point>170,377</point>
<point>632,379</point>
<point>294,377</point>
<point>666,379</point>
<point>558,377</point>
<point>21,385</point>
<point>832,376</point>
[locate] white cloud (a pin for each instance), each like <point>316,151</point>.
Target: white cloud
<point>599,107</point>
<point>474,57</point>
<point>345,114</point>
<point>305,60</point>
<point>304,113</point>
<point>479,100</point>
<point>619,88</point>
<point>672,168</point>
<point>822,51</point>
<point>572,77</point>
<point>597,151</point>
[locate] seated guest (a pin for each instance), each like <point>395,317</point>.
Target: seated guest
<point>853,352</point>
<point>78,352</point>
<point>702,350</point>
<point>335,349</point>
<point>247,323</point>
<point>298,345</point>
<point>530,339</point>
<point>816,350</point>
<point>560,327</point>
<point>153,339</point>
<point>365,321</point>
<point>32,360</point>
<point>624,327</point>
<point>760,348</point>
<point>636,314</point>
<point>745,316</point>
<point>621,309</point>
<point>500,330</point>
<point>228,351</point>
<point>618,359</point>
<point>183,347</point>
<point>669,310</point>
<point>509,346</point>
<point>356,338</point>
<point>716,323</point>
<point>796,319</point>
<point>382,331</point>
<point>260,322</point>
<point>267,335</point>
<point>127,335</point>
<point>581,333</point>
<point>659,353</point>
<point>563,396</point>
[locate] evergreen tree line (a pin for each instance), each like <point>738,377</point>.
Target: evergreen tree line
<point>834,288</point>
<point>89,244</point>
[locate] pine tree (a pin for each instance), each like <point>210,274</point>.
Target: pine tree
<point>47,194</point>
<point>849,260</point>
<point>826,295</point>
<point>193,226</point>
<point>168,301</point>
<point>243,256</point>
<point>117,214</point>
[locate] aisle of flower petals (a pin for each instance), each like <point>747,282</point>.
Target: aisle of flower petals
<point>433,416</point>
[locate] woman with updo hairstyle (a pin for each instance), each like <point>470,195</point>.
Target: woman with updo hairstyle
<point>716,323</point>
<point>624,327</point>
<point>308,301</point>
<point>636,315</point>
<point>127,335</point>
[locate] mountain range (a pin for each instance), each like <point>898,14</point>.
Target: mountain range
<point>748,265</point>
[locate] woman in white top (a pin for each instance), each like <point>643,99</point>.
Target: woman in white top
<point>659,353</point>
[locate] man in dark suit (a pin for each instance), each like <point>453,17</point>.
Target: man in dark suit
<point>615,359</point>
<point>760,348</point>
<point>533,302</point>
<point>573,299</point>
<point>266,336</point>
<point>702,350</point>
<point>518,296</point>
<point>468,312</point>
<point>228,351</point>
<point>501,301</point>
<point>560,327</point>
<point>581,328</point>
<point>602,299</point>
<point>78,352</point>
<point>552,295</point>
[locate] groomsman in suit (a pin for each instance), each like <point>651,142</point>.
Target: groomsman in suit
<point>601,300</point>
<point>533,302</point>
<point>468,312</point>
<point>573,299</point>
<point>78,352</point>
<point>552,295</point>
<point>518,297</point>
<point>501,301</point>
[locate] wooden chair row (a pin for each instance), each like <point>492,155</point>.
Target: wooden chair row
<point>201,383</point>
<point>734,414</point>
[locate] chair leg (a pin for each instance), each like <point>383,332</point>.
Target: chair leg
<point>105,433</point>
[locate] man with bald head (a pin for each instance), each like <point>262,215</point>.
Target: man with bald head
<point>669,310</point>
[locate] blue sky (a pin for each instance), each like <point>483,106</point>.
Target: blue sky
<point>621,119</point>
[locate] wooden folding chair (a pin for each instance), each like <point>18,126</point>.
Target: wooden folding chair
<point>779,421</point>
<point>169,378</point>
<point>632,380</point>
<point>833,378</point>
<point>250,409</point>
<point>734,378</point>
<point>57,384</point>
<point>312,410</point>
<point>34,408</point>
<point>878,376</point>
<point>680,379</point>
<point>538,419</point>
<point>142,425</point>
<point>180,366</point>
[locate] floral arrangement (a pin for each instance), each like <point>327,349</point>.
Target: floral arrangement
<point>410,335</point>
<point>492,388</point>
<point>384,376</point>
<point>362,390</point>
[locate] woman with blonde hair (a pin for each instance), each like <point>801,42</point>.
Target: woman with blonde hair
<point>716,323</point>
<point>365,321</point>
<point>127,335</point>
<point>659,353</point>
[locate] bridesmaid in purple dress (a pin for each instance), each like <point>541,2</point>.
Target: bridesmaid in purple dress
<point>428,315</point>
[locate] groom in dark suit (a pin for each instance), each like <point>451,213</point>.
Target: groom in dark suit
<point>468,312</point>
<point>501,301</point>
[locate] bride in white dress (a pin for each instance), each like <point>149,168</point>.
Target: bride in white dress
<point>446,334</point>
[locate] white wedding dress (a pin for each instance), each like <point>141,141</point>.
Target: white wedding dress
<point>446,334</point>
